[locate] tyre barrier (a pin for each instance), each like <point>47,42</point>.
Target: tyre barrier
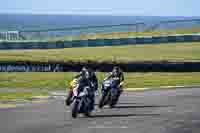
<point>100,42</point>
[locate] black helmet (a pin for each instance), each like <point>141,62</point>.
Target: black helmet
<point>85,73</point>
<point>115,70</point>
<point>84,69</point>
<point>91,72</point>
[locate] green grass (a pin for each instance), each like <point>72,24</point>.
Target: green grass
<point>171,51</point>
<point>59,81</point>
<point>39,81</point>
<point>161,79</point>
<point>30,84</point>
<point>15,95</point>
<point>25,85</point>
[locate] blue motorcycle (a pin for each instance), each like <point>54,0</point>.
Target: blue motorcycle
<point>110,93</point>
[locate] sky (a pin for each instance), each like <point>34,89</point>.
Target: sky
<point>104,7</point>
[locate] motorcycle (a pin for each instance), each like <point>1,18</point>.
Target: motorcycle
<point>110,93</point>
<point>81,101</point>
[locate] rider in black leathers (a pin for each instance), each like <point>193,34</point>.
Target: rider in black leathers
<point>86,78</point>
<point>118,76</point>
<point>92,76</point>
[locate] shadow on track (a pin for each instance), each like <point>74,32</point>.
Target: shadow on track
<point>146,106</point>
<point>122,103</point>
<point>127,103</point>
<point>123,115</point>
<point>129,115</point>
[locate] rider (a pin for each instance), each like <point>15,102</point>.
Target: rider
<point>92,76</point>
<point>85,77</point>
<point>118,76</point>
<point>93,84</point>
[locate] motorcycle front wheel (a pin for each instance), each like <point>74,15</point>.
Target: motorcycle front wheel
<point>75,107</point>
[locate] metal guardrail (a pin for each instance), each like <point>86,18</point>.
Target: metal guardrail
<point>100,42</point>
<point>10,35</point>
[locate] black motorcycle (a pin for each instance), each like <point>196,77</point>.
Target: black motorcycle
<point>81,101</point>
<point>110,93</point>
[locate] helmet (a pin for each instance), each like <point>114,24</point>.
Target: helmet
<point>115,70</point>
<point>85,73</point>
<point>91,72</point>
<point>84,69</point>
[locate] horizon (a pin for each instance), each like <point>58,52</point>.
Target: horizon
<point>70,14</point>
<point>103,7</point>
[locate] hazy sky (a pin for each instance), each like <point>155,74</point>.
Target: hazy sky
<point>114,7</point>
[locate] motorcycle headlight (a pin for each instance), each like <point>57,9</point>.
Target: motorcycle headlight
<point>74,83</point>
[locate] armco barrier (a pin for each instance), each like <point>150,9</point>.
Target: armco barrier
<point>163,39</point>
<point>116,42</point>
<point>67,44</point>
<point>95,42</point>
<point>109,42</point>
<point>131,41</point>
<point>100,42</point>
<point>196,38</point>
<point>171,39</point>
<point>140,40</point>
<point>147,40</point>
<point>84,43</point>
<point>159,39</point>
<point>180,39</point>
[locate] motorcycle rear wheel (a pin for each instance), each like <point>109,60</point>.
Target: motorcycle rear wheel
<point>113,102</point>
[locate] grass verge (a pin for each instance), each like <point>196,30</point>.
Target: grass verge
<point>22,95</point>
<point>40,83</point>
<point>152,52</point>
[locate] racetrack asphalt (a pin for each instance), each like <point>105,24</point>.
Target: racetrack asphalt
<point>154,111</point>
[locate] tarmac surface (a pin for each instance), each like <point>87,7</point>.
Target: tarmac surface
<point>154,111</point>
